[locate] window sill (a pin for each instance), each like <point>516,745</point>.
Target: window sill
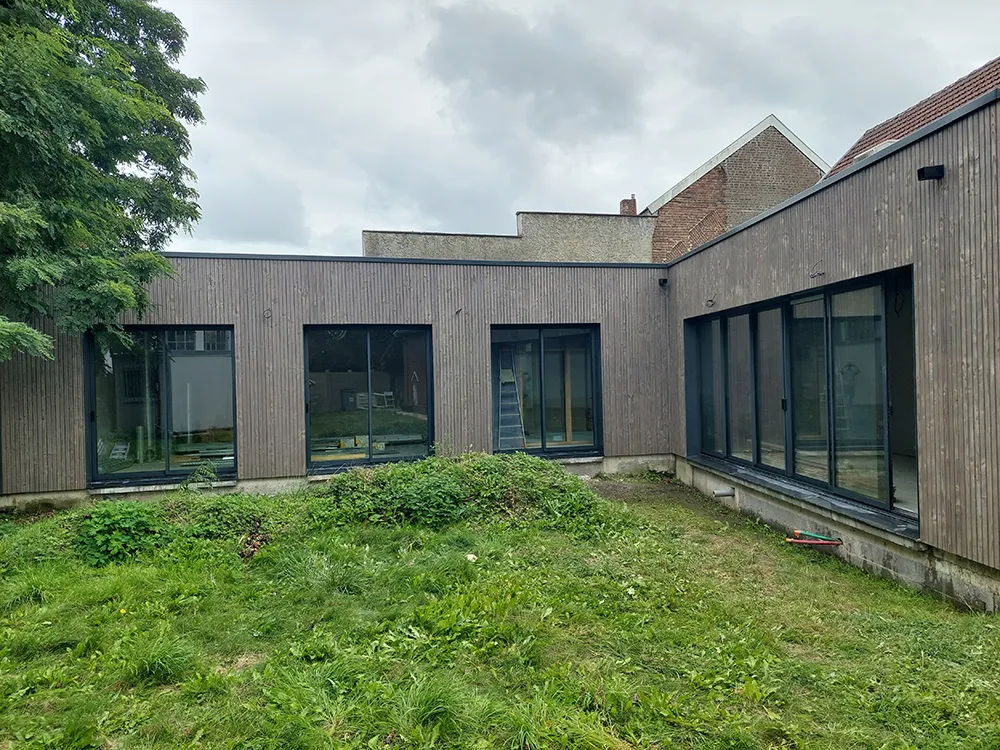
<point>893,523</point>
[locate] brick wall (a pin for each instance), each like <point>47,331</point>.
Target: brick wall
<point>762,174</point>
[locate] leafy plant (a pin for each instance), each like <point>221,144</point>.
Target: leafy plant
<point>93,184</point>
<point>226,517</point>
<point>440,491</point>
<point>115,532</point>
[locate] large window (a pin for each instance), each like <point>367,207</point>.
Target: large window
<point>770,356</point>
<point>368,394</point>
<point>808,337</point>
<point>713,404</point>
<point>740,392</point>
<point>819,387</point>
<point>545,394</point>
<point>162,405</point>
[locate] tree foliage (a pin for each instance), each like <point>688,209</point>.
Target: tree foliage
<point>93,181</point>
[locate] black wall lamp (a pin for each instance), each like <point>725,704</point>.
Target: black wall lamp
<point>663,283</point>
<point>935,172</point>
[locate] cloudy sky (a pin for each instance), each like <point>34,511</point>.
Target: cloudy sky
<point>326,117</point>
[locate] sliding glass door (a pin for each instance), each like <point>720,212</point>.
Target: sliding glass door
<point>802,386</point>
<point>163,404</point>
<point>809,389</point>
<point>771,402</point>
<point>367,394</point>
<point>545,395</point>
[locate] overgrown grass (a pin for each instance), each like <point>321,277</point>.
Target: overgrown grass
<point>487,602</point>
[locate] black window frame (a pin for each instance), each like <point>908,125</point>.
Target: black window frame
<point>594,331</point>
<point>168,476</point>
<point>324,468</point>
<point>883,280</point>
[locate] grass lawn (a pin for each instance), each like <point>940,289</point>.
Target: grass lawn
<point>287,623</point>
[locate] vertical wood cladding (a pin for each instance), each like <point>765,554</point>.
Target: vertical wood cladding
<point>269,301</point>
<point>41,421</point>
<point>878,219</point>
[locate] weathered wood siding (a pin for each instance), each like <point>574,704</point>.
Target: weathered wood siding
<point>269,301</point>
<point>42,421</point>
<point>878,219</point>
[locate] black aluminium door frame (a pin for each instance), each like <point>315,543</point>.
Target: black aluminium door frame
<point>785,304</point>
<point>328,467</point>
<point>594,333</point>
<point>90,349</point>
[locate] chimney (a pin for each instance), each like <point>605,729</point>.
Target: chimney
<point>628,207</point>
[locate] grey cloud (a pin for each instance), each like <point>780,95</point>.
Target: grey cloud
<point>248,206</point>
<point>844,76</point>
<point>571,85</point>
<point>331,116</point>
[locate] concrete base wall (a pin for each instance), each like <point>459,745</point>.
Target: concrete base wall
<point>907,561</point>
<point>588,467</point>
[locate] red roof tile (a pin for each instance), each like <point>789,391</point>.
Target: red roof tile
<point>964,90</point>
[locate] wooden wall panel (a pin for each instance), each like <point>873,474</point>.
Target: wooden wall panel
<point>879,219</point>
<point>41,421</point>
<point>269,301</point>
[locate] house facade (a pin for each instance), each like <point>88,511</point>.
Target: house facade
<point>828,365</point>
<point>761,169</point>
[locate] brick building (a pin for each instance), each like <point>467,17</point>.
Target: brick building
<point>963,91</point>
<point>766,166</point>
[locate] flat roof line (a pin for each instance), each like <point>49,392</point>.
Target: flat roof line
<point>411,261</point>
<point>939,124</point>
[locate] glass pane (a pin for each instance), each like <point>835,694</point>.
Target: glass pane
<point>902,393</point>
<point>858,381</point>
<point>338,394</point>
<point>399,393</point>
<point>770,388</point>
<point>712,404</point>
<point>809,400</point>
<point>520,403</point>
<point>201,399</point>
<point>569,390</point>
<point>740,395</point>
<point>128,410</point>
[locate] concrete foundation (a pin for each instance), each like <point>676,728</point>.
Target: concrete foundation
<point>588,467</point>
<point>910,562</point>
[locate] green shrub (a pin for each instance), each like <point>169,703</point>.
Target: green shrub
<point>433,499</point>
<point>225,517</point>
<point>438,491</point>
<point>115,532</point>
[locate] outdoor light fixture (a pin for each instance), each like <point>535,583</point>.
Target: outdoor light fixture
<point>931,173</point>
<point>663,283</point>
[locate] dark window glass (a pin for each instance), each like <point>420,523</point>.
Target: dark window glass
<point>558,414</point>
<point>569,389</point>
<point>361,414</point>
<point>740,391</point>
<point>713,410</point>
<point>902,392</point>
<point>809,396</point>
<point>519,388</point>
<point>201,404</point>
<point>770,388</point>
<point>163,404</point>
<point>399,393</point>
<point>858,399</point>
<point>128,410</point>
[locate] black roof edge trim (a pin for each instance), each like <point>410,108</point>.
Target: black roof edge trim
<point>929,129</point>
<point>413,261</point>
<point>589,214</point>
